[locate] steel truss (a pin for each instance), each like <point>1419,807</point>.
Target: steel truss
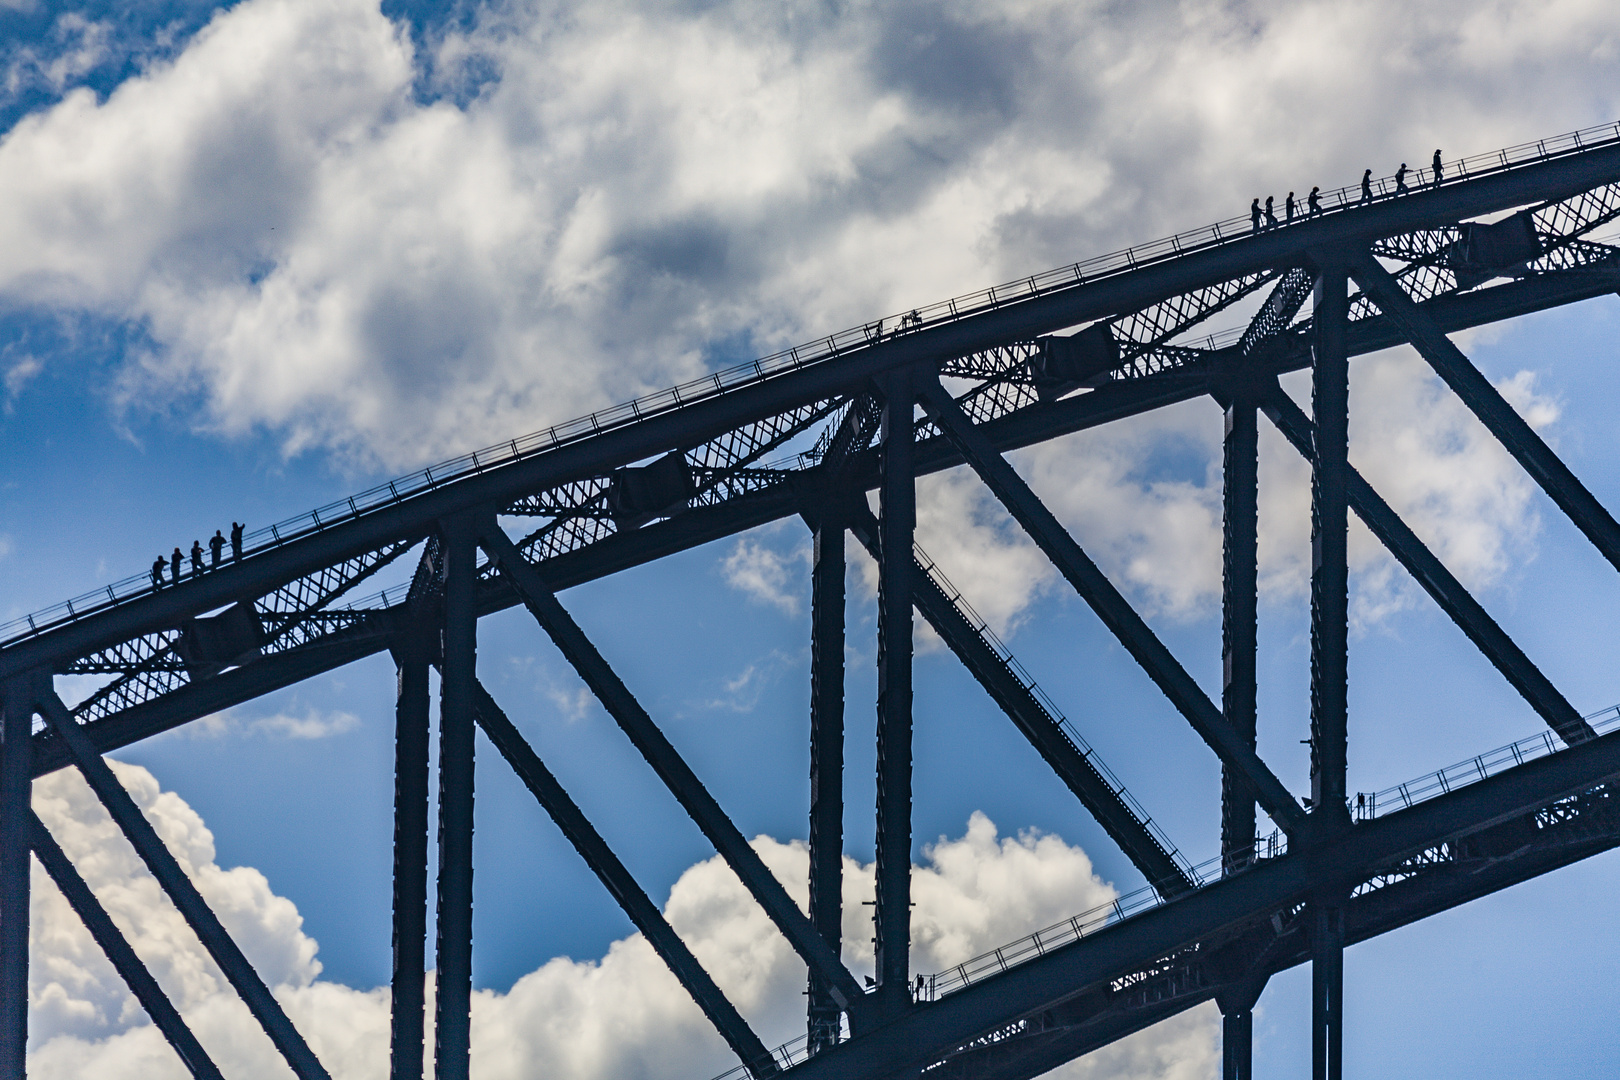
<point>841,424</point>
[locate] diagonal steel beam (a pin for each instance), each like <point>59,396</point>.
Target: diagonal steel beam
<point>164,1015</point>
<point>1476,391</point>
<point>618,880</point>
<point>184,895</point>
<point>1034,722</point>
<point>673,770</point>
<point>1500,649</point>
<point>1095,588</point>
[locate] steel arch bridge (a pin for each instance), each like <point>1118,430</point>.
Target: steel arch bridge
<point>1497,236</point>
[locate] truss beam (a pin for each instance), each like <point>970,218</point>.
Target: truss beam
<point>165,1017</point>
<point>623,887</point>
<point>1095,588</point>
<point>673,770</point>
<point>1483,399</point>
<point>1035,723</point>
<point>838,377</point>
<point>184,895</point>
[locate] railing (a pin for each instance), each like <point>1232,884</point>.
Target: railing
<point>980,626</point>
<point>1371,804</point>
<point>792,359</point>
<point>1365,807</point>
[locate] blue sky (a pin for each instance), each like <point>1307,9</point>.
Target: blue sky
<point>257,259</point>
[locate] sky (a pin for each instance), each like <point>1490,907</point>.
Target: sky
<point>258,256</point>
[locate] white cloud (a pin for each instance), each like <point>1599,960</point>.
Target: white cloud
<point>620,1015</point>
<point>767,574</point>
<point>314,251</point>
<point>310,724</point>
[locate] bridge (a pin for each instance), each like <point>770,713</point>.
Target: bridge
<point>809,433</point>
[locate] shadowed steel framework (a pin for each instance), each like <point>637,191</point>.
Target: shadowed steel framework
<point>1500,235</point>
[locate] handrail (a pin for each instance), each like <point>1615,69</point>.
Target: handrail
<point>754,372</point>
<point>1031,946</point>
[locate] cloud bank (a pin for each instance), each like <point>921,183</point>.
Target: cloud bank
<point>616,1016</point>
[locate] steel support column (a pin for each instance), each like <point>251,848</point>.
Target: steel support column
<point>1330,599</point>
<point>406,1037</point>
<point>826,761</point>
<point>128,965</point>
<point>1239,622</point>
<point>1327,989</point>
<point>16,787</point>
<point>452,1031</point>
<point>897,524</point>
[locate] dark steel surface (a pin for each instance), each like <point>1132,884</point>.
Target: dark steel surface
<point>603,509</point>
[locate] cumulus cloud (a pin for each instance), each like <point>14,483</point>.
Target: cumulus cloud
<point>313,248</point>
<point>620,1015</point>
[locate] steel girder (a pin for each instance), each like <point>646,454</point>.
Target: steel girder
<point>288,627</point>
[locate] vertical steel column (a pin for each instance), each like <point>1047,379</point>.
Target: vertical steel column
<point>1239,618</point>
<point>1237,1045</point>
<point>1327,990</point>
<point>453,1001</point>
<point>410,858</point>
<point>17,701</point>
<point>826,761</point>
<point>898,521</point>
<point>1330,396</point>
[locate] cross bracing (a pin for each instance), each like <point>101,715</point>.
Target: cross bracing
<point>809,432</point>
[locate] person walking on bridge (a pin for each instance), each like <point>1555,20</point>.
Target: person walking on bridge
<point>236,541</point>
<point>196,559</point>
<point>1271,215</point>
<point>1366,186</point>
<point>1254,214</point>
<point>1313,202</point>
<point>1400,180</point>
<point>1288,207</point>
<point>157,573</point>
<point>174,565</point>
<point>1439,169</point>
<point>215,545</point>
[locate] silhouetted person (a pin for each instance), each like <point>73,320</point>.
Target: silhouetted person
<point>1439,169</point>
<point>236,541</point>
<point>1254,214</point>
<point>1400,180</point>
<point>1271,215</point>
<point>157,573</point>
<point>215,546</point>
<point>1314,201</point>
<point>174,565</point>
<point>1366,186</point>
<point>1288,207</point>
<point>196,559</point>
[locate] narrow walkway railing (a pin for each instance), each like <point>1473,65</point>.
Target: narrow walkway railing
<point>1365,807</point>
<point>721,382</point>
<point>1081,746</point>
